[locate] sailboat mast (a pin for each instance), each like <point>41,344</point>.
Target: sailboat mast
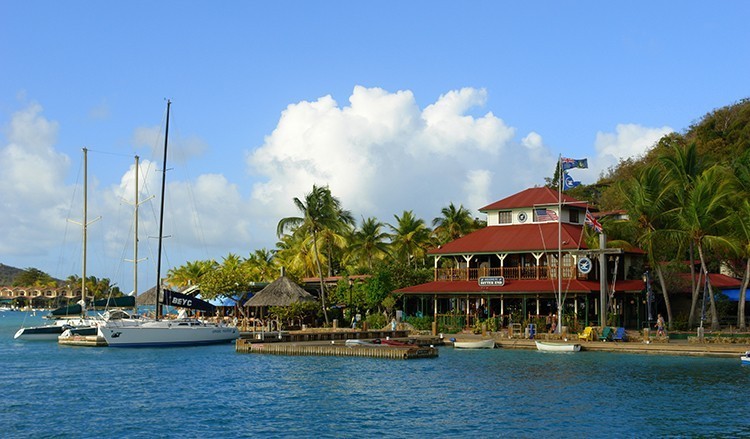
<point>161,214</point>
<point>559,245</point>
<point>85,230</point>
<point>135,238</point>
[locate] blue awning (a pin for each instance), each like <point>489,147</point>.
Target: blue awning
<point>734,295</point>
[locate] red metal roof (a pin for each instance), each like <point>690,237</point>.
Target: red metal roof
<point>515,238</point>
<point>518,286</point>
<point>531,197</point>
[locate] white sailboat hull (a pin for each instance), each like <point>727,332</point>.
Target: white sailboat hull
<point>557,347</point>
<point>167,333</point>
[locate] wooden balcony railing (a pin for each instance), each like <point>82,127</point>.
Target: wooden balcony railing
<point>513,273</point>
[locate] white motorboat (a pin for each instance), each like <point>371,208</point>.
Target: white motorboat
<point>745,359</point>
<point>475,344</point>
<point>557,347</point>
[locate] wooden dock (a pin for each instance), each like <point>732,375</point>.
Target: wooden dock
<point>334,349</point>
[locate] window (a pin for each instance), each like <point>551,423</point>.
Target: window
<point>574,216</point>
<point>505,217</point>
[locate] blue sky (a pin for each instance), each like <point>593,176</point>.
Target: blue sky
<point>396,105</point>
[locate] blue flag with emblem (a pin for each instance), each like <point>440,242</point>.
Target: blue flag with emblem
<point>568,182</point>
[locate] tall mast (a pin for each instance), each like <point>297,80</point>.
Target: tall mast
<point>559,245</point>
<point>85,230</point>
<point>135,233</point>
<point>161,214</point>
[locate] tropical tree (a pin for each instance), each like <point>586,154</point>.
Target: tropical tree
<point>229,279</point>
<point>190,273</point>
<point>702,216</point>
<point>682,168</point>
<point>319,211</point>
<point>261,265</point>
<point>368,243</point>
<point>453,223</point>
<point>647,200</point>
<point>410,237</point>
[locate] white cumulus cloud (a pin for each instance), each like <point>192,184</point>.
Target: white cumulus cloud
<point>628,140</point>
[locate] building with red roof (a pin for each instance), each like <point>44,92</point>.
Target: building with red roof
<point>509,271</point>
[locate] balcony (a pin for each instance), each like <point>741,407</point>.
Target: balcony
<point>511,273</point>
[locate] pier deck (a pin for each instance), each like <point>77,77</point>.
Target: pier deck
<point>337,349</point>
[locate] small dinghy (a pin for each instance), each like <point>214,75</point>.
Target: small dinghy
<point>557,347</point>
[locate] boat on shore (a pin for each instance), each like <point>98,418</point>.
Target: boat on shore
<point>557,347</point>
<point>475,344</point>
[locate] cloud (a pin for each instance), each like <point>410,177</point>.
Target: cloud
<point>382,155</point>
<point>34,196</point>
<point>628,140</point>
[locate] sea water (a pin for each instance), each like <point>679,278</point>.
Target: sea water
<point>52,391</point>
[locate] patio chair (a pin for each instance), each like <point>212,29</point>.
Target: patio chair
<point>619,334</point>
<point>606,334</point>
<point>587,334</point>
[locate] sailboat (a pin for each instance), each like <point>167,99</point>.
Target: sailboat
<point>63,317</point>
<point>183,331</point>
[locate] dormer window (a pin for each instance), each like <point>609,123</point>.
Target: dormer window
<point>574,216</point>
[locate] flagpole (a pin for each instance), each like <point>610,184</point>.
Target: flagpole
<point>559,246</point>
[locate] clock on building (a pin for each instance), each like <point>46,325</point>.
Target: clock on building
<point>522,217</point>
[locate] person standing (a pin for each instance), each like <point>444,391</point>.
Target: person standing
<point>659,325</point>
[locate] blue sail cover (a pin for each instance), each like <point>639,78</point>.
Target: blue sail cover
<point>173,298</point>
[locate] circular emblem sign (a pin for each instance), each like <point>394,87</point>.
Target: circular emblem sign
<point>584,265</point>
<point>522,217</point>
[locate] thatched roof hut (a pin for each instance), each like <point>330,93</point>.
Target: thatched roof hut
<point>281,292</point>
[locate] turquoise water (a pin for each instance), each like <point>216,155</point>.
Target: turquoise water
<point>62,392</point>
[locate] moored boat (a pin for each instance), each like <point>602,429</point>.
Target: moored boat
<point>745,359</point>
<point>557,347</point>
<point>475,344</point>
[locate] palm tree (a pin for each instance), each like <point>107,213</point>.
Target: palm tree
<point>261,264</point>
<point>647,200</point>
<point>740,225</point>
<point>190,273</point>
<point>368,243</point>
<point>740,228</point>
<point>453,224</point>
<point>703,214</point>
<point>320,211</point>
<point>682,168</point>
<point>409,237</point>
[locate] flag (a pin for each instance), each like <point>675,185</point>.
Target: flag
<point>592,222</point>
<point>568,163</point>
<point>543,215</point>
<point>568,182</point>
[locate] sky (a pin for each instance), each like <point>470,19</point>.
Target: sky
<point>394,105</point>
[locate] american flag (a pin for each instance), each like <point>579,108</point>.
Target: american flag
<point>592,222</point>
<point>543,215</point>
